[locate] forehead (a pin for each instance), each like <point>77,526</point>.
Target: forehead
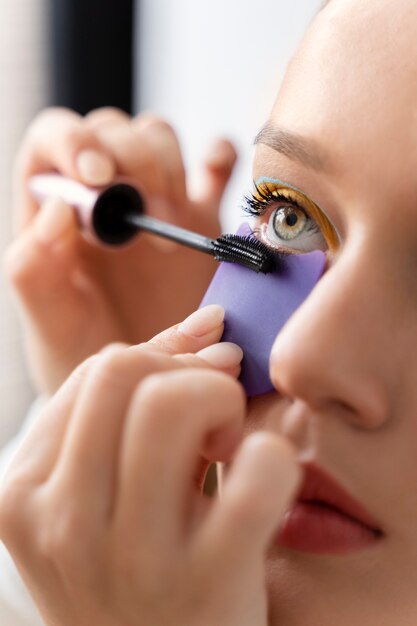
<point>353,82</point>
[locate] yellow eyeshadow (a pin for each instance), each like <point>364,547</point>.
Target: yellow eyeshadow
<point>311,208</point>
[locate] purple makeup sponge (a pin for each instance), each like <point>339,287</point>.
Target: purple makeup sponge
<point>258,305</point>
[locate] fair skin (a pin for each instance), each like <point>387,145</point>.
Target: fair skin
<point>62,282</point>
<point>342,368</point>
<point>122,552</point>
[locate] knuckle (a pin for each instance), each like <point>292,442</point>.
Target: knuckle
<point>106,114</point>
<point>153,399</point>
<point>18,266</point>
<point>18,519</point>
<point>146,121</point>
<point>75,138</point>
<point>39,120</point>
<point>120,365</point>
<point>111,364</point>
<point>11,499</point>
<point>153,392</point>
<point>56,541</point>
<point>79,374</point>
<point>11,267</point>
<point>227,386</point>
<point>159,392</point>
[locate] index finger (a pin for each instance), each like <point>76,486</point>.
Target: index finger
<point>54,141</point>
<point>197,331</point>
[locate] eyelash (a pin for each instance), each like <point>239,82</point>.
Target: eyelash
<point>257,205</point>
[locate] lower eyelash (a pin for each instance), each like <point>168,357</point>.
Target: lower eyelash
<point>312,227</point>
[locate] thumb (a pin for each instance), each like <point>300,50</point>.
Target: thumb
<point>254,498</point>
<point>217,169</point>
<point>201,329</point>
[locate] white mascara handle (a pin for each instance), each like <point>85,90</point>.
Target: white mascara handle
<point>100,210</point>
<point>72,192</point>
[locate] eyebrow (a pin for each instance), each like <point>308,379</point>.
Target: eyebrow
<point>292,145</point>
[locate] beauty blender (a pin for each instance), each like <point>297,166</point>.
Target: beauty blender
<point>258,305</point>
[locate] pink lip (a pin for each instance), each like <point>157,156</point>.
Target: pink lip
<point>325,519</point>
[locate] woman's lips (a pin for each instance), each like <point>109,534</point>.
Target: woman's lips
<point>325,519</point>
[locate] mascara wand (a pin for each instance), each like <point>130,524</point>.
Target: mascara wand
<point>115,215</point>
<point>246,251</point>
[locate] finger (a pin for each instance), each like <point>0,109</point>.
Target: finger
<point>24,509</point>
<point>225,357</point>
<point>39,260</point>
<point>106,116</point>
<point>170,418</point>
<point>217,170</point>
<point>147,151</point>
<point>257,492</point>
<point>205,325</point>
<point>167,152</point>
<point>43,265</point>
<point>199,330</point>
<point>100,413</point>
<point>99,417</point>
<point>58,139</point>
<point>29,256</point>
<point>40,449</point>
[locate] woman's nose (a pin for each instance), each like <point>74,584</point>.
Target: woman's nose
<point>331,353</point>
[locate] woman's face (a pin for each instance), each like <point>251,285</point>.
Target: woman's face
<point>345,365</point>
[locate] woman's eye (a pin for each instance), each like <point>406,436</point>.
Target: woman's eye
<point>287,220</point>
<point>289,227</point>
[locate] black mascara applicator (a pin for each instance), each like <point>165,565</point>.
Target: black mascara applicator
<point>114,215</point>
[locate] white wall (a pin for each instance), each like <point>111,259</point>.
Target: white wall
<point>22,94</point>
<point>212,67</point>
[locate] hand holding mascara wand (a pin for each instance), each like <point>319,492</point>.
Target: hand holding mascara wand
<point>114,215</point>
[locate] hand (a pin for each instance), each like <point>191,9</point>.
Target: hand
<point>74,297</point>
<point>101,509</point>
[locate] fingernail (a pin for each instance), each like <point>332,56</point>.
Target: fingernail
<point>203,321</point>
<point>53,220</point>
<point>94,167</point>
<point>223,355</point>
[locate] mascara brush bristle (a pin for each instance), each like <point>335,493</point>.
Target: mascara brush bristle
<point>246,250</point>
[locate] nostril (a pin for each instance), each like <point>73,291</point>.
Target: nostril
<point>301,376</point>
<point>368,408</point>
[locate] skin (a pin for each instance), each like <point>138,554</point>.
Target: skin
<point>93,538</point>
<point>345,362</point>
<point>61,282</point>
<point>342,367</point>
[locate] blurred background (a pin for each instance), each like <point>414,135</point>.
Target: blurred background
<point>211,68</point>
